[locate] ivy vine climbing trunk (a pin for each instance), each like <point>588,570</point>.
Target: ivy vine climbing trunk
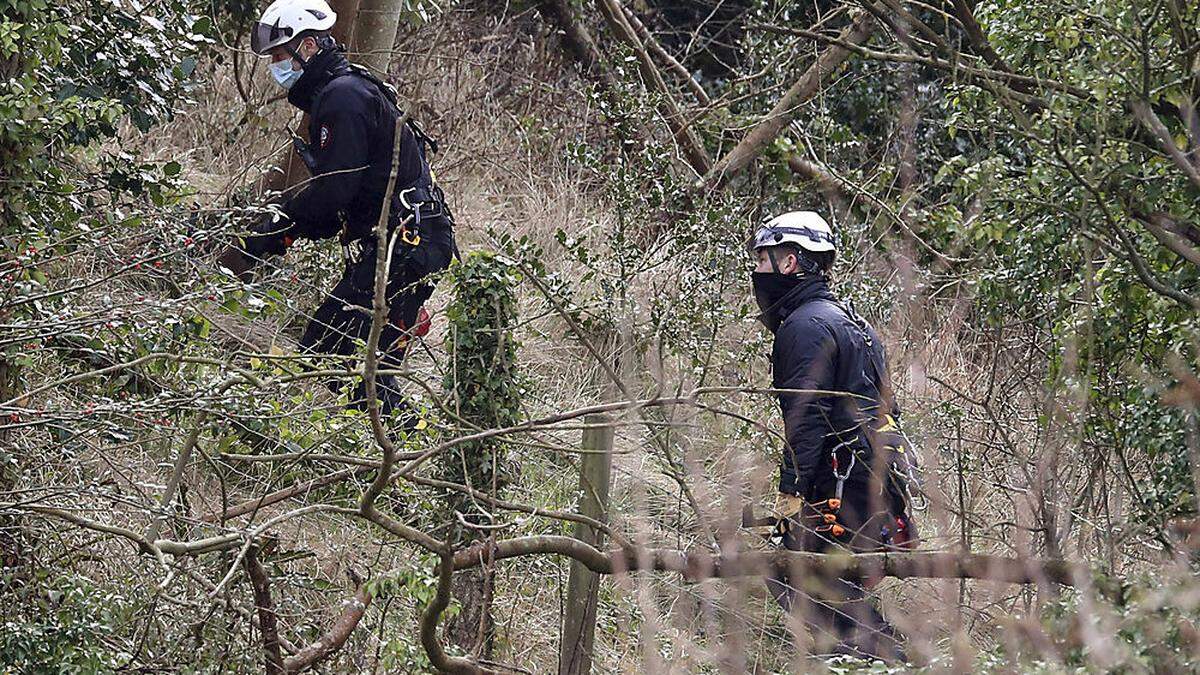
<point>483,381</point>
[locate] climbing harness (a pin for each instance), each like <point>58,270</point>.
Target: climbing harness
<point>905,461</point>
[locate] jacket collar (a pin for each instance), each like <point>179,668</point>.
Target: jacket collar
<point>808,287</point>
<point>321,68</point>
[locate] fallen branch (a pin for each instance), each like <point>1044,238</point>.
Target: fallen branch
<point>697,566</point>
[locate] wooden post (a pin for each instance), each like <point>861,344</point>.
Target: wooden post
<point>579,629</point>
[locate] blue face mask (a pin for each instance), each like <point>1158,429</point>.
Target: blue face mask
<point>283,73</point>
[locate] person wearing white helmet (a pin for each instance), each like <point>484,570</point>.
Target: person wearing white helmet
<point>291,32</point>
<point>351,135</point>
<point>838,488</point>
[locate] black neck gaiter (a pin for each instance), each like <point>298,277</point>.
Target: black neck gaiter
<point>778,294</point>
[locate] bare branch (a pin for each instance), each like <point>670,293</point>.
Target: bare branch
<point>696,566</point>
<point>267,620</point>
<point>770,126</point>
<point>979,41</point>
<point>332,639</point>
<point>1150,120</point>
<point>663,55</point>
<point>685,136</point>
<point>433,615</point>
<point>379,307</point>
<point>296,490</point>
<point>1165,229</point>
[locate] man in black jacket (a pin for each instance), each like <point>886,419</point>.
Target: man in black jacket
<point>842,479</point>
<point>353,123</point>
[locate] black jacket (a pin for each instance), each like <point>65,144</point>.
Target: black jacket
<point>351,129</point>
<point>821,345</point>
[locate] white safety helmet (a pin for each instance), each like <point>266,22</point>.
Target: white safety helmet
<point>283,20</point>
<point>804,229</point>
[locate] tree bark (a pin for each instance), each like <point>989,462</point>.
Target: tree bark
<point>374,34</point>
<point>473,628</point>
<point>267,620</point>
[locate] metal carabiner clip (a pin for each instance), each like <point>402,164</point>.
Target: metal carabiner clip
<point>415,209</point>
<point>841,478</point>
<point>403,195</point>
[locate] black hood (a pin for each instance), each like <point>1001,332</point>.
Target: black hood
<point>779,295</point>
<point>320,69</point>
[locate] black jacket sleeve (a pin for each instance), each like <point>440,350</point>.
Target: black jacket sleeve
<point>804,357</point>
<point>341,149</point>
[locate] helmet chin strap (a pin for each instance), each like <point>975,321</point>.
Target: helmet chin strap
<point>806,265</point>
<point>295,54</point>
<point>322,43</point>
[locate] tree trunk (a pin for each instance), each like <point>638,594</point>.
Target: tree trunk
<point>579,626</point>
<point>473,629</point>
<point>375,34</point>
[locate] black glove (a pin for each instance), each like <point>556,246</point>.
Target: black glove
<point>271,236</point>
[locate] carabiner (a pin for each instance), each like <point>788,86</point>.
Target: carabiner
<point>841,478</point>
<point>410,237</point>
